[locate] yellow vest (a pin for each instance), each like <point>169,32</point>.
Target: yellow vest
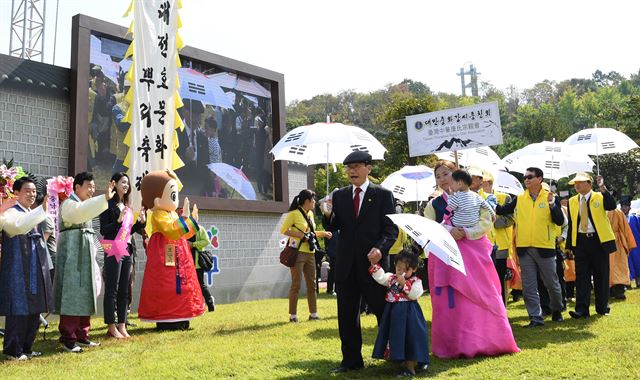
<point>598,216</point>
<point>398,246</point>
<point>535,226</point>
<point>502,237</point>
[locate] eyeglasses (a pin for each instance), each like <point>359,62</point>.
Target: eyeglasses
<point>529,177</point>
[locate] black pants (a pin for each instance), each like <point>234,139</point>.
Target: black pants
<point>203,287</point>
<point>355,287</point>
<point>20,333</point>
<point>571,289</point>
<point>501,269</point>
<point>331,275</point>
<point>116,284</point>
<point>591,260</point>
<point>545,301</point>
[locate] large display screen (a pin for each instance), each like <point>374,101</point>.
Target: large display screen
<point>229,125</point>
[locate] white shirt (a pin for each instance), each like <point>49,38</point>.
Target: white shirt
<point>364,187</point>
<point>590,228</point>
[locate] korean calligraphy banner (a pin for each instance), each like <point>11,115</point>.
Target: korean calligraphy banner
<point>153,95</point>
<point>454,129</point>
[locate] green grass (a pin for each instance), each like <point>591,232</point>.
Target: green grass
<point>253,340</point>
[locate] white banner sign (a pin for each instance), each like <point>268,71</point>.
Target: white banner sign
<point>454,129</point>
<point>155,31</point>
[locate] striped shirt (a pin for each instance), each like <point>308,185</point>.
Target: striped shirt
<point>466,207</point>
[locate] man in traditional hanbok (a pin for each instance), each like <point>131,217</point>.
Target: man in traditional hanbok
<point>25,285</point>
<point>76,268</point>
<point>619,260</point>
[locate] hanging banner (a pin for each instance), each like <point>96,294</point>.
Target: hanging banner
<point>153,96</point>
<point>454,129</point>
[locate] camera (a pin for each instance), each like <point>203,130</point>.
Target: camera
<point>311,238</point>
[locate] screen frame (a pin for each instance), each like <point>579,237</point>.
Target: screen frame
<point>82,28</point>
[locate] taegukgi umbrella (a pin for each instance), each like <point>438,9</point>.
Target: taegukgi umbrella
<point>411,183</point>
<point>197,86</point>
<point>326,143</point>
<point>235,178</point>
<point>482,157</point>
<point>597,141</point>
<point>555,159</point>
<point>506,183</point>
<point>432,237</point>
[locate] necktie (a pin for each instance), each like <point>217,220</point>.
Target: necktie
<point>584,215</point>
<point>356,202</point>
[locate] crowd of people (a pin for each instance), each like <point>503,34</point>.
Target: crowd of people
<point>240,137</point>
<point>549,249</point>
<point>43,272</point>
<point>552,245</point>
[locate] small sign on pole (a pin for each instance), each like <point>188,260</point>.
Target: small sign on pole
<point>454,129</point>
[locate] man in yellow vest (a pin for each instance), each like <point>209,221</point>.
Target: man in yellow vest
<point>501,234</point>
<point>537,212</point>
<point>592,240</point>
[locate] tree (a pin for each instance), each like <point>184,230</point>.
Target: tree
<point>394,137</point>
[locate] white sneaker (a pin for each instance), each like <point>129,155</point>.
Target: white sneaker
<point>72,348</point>
<point>20,358</point>
<point>87,343</point>
<point>33,354</point>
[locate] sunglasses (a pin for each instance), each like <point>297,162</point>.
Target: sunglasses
<point>529,177</point>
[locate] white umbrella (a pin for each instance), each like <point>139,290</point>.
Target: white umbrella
<point>482,157</point>
<point>597,141</point>
<point>411,183</point>
<point>432,237</point>
<point>235,178</point>
<point>506,183</point>
<point>325,143</point>
<point>196,86</point>
<point>556,159</point>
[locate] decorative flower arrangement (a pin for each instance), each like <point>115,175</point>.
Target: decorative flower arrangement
<point>62,186</point>
<point>8,175</point>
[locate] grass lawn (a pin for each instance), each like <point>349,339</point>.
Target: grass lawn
<point>254,340</point>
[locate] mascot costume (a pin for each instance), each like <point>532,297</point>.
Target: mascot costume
<point>170,294</point>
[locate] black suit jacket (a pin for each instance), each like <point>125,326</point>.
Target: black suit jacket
<point>372,229</point>
<point>202,155</point>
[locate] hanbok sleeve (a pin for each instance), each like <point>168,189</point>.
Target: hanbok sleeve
<point>172,226</point>
<point>429,211</point>
<point>476,232</point>
<point>379,274</point>
<point>14,222</point>
<point>413,289</point>
<point>83,211</point>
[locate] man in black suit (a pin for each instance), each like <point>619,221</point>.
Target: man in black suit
<point>592,240</point>
<point>359,212</point>
<point>193,148</point>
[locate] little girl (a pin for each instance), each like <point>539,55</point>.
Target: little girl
<point>402,334</point>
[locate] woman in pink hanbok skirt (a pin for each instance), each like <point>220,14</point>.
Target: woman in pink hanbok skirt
<point>469,318</point>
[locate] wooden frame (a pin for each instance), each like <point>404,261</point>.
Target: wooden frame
<point>82,28</point>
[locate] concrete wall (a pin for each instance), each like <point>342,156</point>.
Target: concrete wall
<point>34,130</point>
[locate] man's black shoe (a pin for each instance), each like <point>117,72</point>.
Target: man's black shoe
<point>534,324</point>
<point>342,369</point>
<point>577,315</point>
<point>557,316</point>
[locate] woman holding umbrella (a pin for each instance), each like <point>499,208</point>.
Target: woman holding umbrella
<point>469,318</point>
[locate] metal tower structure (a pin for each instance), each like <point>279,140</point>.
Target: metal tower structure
<point>27,29</point>
<point>473,73</point>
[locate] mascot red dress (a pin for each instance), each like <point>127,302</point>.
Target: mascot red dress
<point>170,294</point>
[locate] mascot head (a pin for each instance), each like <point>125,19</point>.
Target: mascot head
<point>160,190</point>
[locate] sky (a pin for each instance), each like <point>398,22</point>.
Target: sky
<point>330,46</point>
